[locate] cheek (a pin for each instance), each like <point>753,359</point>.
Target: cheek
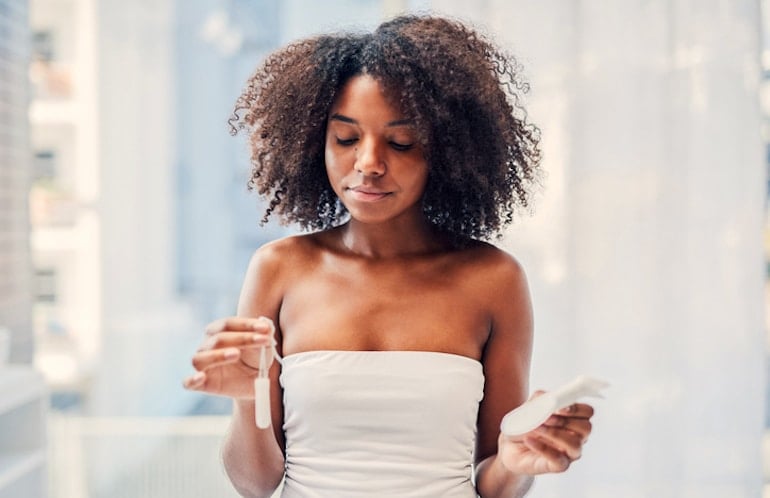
<point>333,174</point>
<point>332,158</point>
<point>420,178</point>
<point>328,160</point>
<point>329,157</point>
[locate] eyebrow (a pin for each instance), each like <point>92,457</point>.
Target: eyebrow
<point>346,119</point>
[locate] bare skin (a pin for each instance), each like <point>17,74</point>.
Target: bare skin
<point>386,280</point>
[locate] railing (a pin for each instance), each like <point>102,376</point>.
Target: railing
<point>130,457</point>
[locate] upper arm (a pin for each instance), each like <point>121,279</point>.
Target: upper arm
<point>261,292</point>
<point>507,353</point>
<point>261,295</point>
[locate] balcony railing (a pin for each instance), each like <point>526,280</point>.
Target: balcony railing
<point>129,457</point>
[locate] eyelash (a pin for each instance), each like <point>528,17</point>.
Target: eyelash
<point>401,147</point>
<point>397,146</point>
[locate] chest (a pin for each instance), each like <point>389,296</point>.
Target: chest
<point>429,307</point>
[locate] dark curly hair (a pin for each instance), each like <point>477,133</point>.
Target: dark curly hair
<point>462,92</point>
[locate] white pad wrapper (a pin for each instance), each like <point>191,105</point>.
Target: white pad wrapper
<point>537,410</point>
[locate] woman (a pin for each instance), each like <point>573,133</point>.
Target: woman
<point>405,337</point>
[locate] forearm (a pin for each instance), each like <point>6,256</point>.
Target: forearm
<point>253,460</point>
<point>493,480</point>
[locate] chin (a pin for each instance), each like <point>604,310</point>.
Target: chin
<point>369,219</point>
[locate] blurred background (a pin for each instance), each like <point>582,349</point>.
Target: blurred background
<point>125,226</point>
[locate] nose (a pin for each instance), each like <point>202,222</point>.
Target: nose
<point>369,160</point>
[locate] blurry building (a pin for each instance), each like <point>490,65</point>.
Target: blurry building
<point>65,191</point>
<point>101,203</point>
<point>142,223</point>
<point>16,286</point>
<point>23,398</point>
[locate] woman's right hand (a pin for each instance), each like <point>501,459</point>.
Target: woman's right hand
<point>227,361</point>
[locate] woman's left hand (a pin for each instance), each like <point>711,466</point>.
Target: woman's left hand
<point>552,447</point>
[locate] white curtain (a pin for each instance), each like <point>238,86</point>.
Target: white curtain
<point>645,253</point>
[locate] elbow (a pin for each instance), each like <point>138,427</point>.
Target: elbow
<point>253,486</point>
<point>251,491</point>
<point>253,476</point>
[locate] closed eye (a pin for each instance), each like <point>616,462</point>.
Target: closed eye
<point>346,141</point>
<point>400,146</point>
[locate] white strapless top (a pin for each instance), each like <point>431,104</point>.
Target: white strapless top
<point>380,424</point>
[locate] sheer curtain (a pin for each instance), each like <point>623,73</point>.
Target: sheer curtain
<point>645,253</point>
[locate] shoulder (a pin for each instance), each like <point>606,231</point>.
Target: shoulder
<point>491,264</point>
<point>495,279</point>
<point>279,261</point>
<point>286,253</point>
<point>271,271</point>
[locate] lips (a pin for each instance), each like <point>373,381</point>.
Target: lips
<point>368,194</point>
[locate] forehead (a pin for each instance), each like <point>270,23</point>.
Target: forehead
<point>364,93</point>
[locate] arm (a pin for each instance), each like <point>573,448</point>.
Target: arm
<point>252,457</point>
<point>506,359</point>
<point>227,365</point>
<point>506,465</point>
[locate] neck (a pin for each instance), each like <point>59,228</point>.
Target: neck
<point>390,240</point>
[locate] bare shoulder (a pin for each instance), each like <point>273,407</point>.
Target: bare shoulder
<point>272,269</point>
<point>492,265</point>
<point>495,278</point>
<point>285,254</point>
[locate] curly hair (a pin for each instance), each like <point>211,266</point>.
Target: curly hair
<point>461,91</point>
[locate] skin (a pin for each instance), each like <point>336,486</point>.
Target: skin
<point>355,286</point>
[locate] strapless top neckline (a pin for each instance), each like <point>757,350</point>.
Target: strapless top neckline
<point>379,352</point>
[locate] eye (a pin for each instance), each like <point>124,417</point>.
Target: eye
<point>346,141</point>
<point>401,147</point>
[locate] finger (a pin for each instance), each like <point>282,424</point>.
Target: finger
<point>195,381</point>
<point>557,461</point>
<point>577,410</point>
<point>579,426</point>
<point>563,440</point>
<point>216,358</point>
<point>236,340</point>
<point>239,324</point>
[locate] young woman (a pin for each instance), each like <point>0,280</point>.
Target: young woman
<point>405,337</point>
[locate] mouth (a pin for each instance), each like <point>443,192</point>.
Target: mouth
<point>368,194</point>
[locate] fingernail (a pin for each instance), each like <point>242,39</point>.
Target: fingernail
<point>198,378</point>
<point>258,337</point>
<point>232,354</point>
